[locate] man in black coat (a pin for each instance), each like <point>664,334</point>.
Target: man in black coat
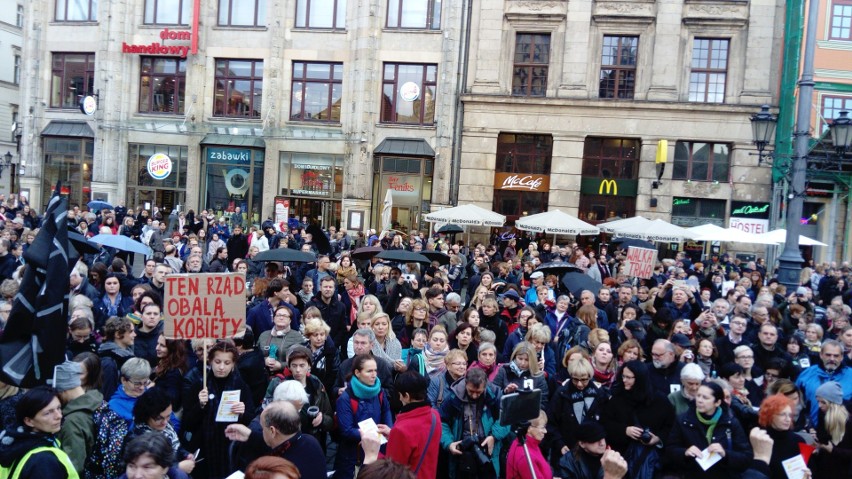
<point>362,343</point>
<point>332,310</point>
<point>237,245</point>
<point>664,373</point>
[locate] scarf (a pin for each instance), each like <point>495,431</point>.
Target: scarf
<point>434,318</point>
<point>710,423</point>
<point>515,369</point>
<point>435,360</point>
<point>489,370</point>
<point>363,391</point>
<point>355,295</point>
<point>168,432</point>
<point>603,377</point>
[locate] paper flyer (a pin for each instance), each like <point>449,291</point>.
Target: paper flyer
<point>224,414</point>
<point>707,459</point>
<point>368,425</point>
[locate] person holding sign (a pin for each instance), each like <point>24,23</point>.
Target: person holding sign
<point>208,409</point>
<point>706,441</point>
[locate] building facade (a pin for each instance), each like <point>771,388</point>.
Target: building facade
<point>576,105</point>
<point>11,57</point>
<point>309,107</point>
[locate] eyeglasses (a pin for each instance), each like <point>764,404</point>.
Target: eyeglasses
<point>580,380</point>
<point>138,384</point>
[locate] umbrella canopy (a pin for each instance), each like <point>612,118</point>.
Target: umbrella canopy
<point>780,236</point>
<point>98,205</point>
<point>734,235</point>
<point>656,230</point>
<point>613,226</point>
<point>403,256</point>
<point>450,229</point>
<point>577,281</point>
<point>557,267</point>
<point>367,252</point>
<point>467,215</point>
<point>81,243</point>
<point>285,255</point>
<point>441,258</point>
<point>708,230</point>
<point>624,243</point>
<point>121,242</point>
<point>387,208</point>
<point>556,222</point>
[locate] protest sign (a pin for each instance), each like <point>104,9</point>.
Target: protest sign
<point>204,306</point>
<point>640,262</point>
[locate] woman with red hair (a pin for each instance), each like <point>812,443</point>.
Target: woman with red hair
<point>776,416</point>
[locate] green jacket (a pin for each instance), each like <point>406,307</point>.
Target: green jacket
<point>78,430</point>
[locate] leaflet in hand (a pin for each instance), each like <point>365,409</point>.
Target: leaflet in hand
<point>795,467</point>
<point>368,425</point>
<point>707,459</point>
<point>224,414</point>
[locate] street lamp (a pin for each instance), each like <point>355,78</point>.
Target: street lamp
<point>762,129</point>
<point>6,162</point>
<point>841,132</point>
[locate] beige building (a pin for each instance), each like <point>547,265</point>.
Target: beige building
<point>11,21</point>
<point>569,104</point>
<point>309,107</point>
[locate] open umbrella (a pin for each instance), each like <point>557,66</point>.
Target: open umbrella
<point>450,229</point>
<point>441,258</point>
<point>735,235</point>
<point>403,256</point>
<point>656,230</point>
<point>624,243</point>
<point>469,214</point>
<point>121,242</point>
<point>576,282</point>
<point>612,226</point>
<point>557,267</point>
<point>366,252</point>
<point>780,236</point>
<point>319,238</point>
<point>556,222</point>
<point>97,205</point>
<point>285,255</point>
<point>81,243</point>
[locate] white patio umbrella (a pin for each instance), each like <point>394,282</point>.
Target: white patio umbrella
<point>468,214</point>
<point>780,236</point>
<point>556,222</point>
<point>613,226</point>
<point>656,230</point>
<point>734,235</point>
<point>708,230</point>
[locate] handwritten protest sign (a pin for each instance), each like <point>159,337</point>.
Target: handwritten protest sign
<point>204,306</point>
<point>640,262</point>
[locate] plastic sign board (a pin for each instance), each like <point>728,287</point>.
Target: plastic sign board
<point>159,166</point>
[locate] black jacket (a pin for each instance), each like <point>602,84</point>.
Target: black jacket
<point>688,431</point>
<point>564,421</point>
<point>657,414</point>
<point>41,465</point>
<point>334,314</point>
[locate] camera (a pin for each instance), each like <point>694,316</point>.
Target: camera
<point>645,438</point>
<point>474,456</point>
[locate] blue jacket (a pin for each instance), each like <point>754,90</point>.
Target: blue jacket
<point>376,408</point>
<point>814,377</point>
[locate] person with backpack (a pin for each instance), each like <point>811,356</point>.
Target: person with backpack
<point>31,450</point>
<point>78,429</point>
<point>117,348</point>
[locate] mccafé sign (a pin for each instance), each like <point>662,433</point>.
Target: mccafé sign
<point>522,182</point>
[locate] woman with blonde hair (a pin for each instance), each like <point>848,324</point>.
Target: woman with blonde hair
<point>417,317</point>
<point>833,432</point>
<point>436,350</point>
<point>522,367</point>
<point>386,346</point>
<point>478,297</point>
<point>325,360</point>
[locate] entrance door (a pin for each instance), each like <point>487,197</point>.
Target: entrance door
<point>323,212</point>
<point>165,200</point>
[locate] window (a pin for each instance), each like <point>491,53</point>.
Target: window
<point>831,108</point>
<point>408,93</point>
<point>316,91</point>
<point>17,78</point>
<point>422,14</point>
<point>709,70</point>
<point>618,67</point>
<point>19,21</point>
<point>688,212</point>
<point>841,20</point>
<point>701,161</point>
<point>239,88</point>
<point>614,158</point>
<point>162,85</point>
<point>76,10</point>
<point>69,160</point>
<point>532,56</point>
<point>242,13</point>
<point>73,77</point>
<point>330,14</point>
<point>168,12</point>
<point>524,153</point>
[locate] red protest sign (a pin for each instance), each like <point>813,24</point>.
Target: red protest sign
<point>204,306</point>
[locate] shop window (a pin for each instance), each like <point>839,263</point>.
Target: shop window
<point>518,153</point>
<point>73,77</point>
<point>316,91</point>
<point>419,14</point>
<point>168,12</point>
<point>234,178</point>
<point>616,158</point>
<point>16,79</point>
<point>76,10</point>
<point>532,57</point>
<point>408,93</point>
<point>841,20</point>
<point>701,161</point>
<point>515,204</point>
<point>242,13</point>
<point>68,160</point>
<point>831,108</point>
<point>618,67</point>
<point>597,208</point>
<point>325,14</point>
<point>709,70</point>
<point>162,85</point>
<point>239,88</point>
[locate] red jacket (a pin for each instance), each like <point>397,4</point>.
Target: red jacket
<point>408,437</point>
<point>517,466</point>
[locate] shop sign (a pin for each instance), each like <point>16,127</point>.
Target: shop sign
<point>159,166</point>
<point>88,105</point>
<point>608,187</point>
<point>282,212</point>
<point>750,225</point>
<point>406,189</point>
<point>522,181</point>
<point>305,192</point>
<point>233,156</point>
<point>681,201</point>
<point>308,166</point>
<point>160,47</point>
<point>747,209</point>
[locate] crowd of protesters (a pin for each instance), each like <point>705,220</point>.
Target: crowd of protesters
<point>639,377</point>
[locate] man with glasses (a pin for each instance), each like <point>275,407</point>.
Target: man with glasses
<point>831,368</point>
<point>725,345</point>
<point>665,373</point>
<point>362,343</point>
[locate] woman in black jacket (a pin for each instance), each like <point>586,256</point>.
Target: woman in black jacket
<point>521,371</point>
<point>708,426</point>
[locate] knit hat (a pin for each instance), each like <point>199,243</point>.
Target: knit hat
<point>590,431</point>
<point>831,392</point>
<point>66,376</point>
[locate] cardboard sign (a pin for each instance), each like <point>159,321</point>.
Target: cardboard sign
<point>204,306</point>
<point>640,262</point>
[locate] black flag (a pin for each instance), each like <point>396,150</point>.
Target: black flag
<point>34,339</point>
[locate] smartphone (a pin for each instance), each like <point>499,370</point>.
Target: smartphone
<point>679,283</point>
<point>408,277</point>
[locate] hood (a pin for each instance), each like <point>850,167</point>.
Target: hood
<point>459,390</point>
<point>14,443</point>
<point>87,403</point>
<point>122,404</point>
<point>110,347</point>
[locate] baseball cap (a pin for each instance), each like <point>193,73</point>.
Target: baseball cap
<point>801,291</point>
<point>537,275</point>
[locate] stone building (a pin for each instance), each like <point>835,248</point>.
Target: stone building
<point>569,105</point>
<point>312,107</point>
<point>11,21</point>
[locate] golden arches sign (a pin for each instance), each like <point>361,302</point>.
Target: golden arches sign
<point>610,186</point>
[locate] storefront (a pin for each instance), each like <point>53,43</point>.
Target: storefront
<point>233,175</point>
<point>750,217</point>
<point>403,166</point>
<point>68,158</point>
<point>522,175</point>
<point>313,184</point>
<point>156,176</point>
<point>610,179</point>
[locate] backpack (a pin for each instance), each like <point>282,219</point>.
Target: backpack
<point>106,461</point>
<point>353,403</point>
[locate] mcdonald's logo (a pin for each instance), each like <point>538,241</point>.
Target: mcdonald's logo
<point>611,187</point>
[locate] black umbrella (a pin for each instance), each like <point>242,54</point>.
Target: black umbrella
<point>624,243</point>
<point>319,238</point>
<point>403,256</point>
<point>285,255</point>
<point>441,258</point>
<point>576,282</point>
<point>366,252</point>
<point>557,267</point>
<point>450,229</point>
<point>81,243</point>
